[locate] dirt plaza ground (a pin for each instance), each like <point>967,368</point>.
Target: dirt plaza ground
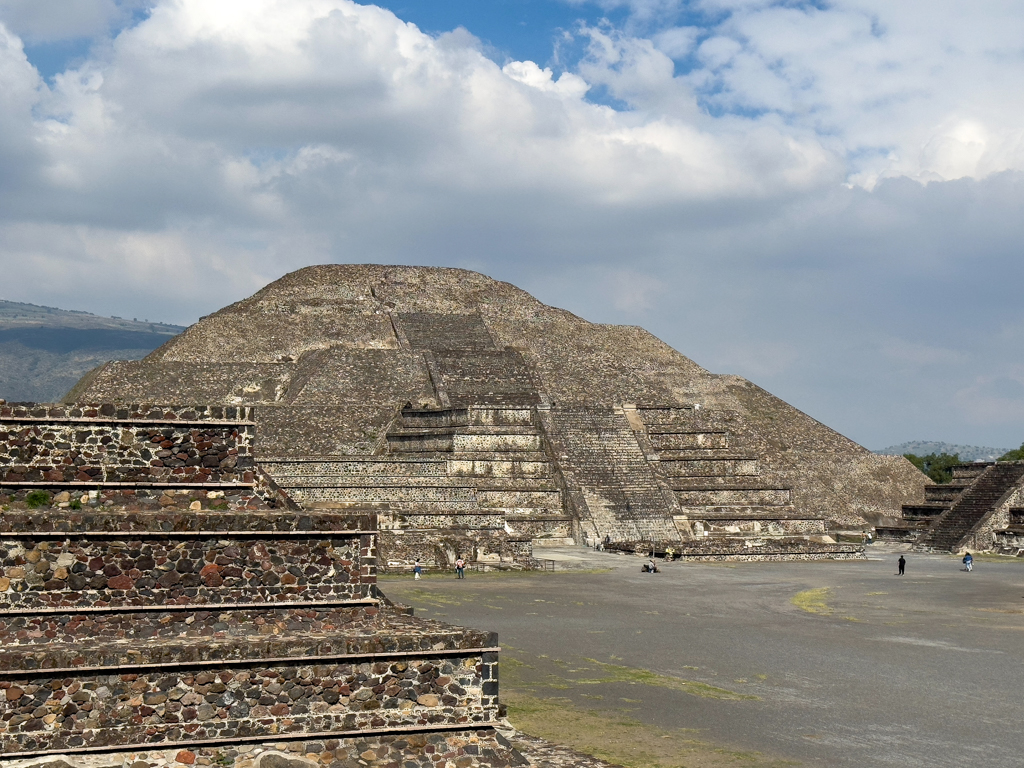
<point>757,664</point>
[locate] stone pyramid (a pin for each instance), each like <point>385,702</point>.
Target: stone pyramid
<point>472,418</point>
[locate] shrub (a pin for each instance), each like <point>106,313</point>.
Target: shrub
<point>939,467</point>
<point>37,499</point>
<point>1017,454</point>
<point>76,504</point>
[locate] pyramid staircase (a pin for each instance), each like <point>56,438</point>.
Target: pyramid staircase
<point>608,472</point>
<point>972,497</point>
<point>938,498</point>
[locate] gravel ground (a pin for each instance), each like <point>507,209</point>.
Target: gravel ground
<point>830,664</point>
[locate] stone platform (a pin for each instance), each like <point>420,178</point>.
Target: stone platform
<point>191,630</point>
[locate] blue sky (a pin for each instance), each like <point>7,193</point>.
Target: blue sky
<point>825,198</point>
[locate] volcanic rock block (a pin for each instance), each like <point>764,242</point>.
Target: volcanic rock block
<point>181,631</point>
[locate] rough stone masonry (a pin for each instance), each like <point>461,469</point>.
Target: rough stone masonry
<point>473,419</point>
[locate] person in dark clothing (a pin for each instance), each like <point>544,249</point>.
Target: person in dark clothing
<point>903,564</point>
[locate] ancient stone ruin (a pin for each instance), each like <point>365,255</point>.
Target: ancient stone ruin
<point>164,603</point>
<point>196,582</point>
<point>981,509</point>
<point>182,606</point>
<point>472,419</point>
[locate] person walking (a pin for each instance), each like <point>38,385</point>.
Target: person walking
<point>903,564</point>
<point>968,562</point>
<point>460,568</point>
<point>417,570</point>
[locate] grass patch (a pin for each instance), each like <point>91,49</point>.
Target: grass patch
<point>519,675</point>
<point>616,673</point>
<point>37,499</point>
<point>813,601</point>
<point>620,739</point>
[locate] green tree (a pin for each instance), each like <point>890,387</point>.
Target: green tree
<point>938,466</point>
<point>1015,455</point>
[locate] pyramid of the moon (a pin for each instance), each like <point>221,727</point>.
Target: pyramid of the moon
<point>445,401</point>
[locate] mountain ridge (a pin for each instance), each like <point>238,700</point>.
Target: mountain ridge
<point>45,350</point>
<point>925,447</point>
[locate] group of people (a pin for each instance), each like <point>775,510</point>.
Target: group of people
<point>460,569</point>
<point>968,562</point>
<point>652,567</point>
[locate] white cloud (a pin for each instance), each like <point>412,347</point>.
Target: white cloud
<point>761,202</point>
<point>42,21</point>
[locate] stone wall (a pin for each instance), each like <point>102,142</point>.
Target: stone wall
<point>763,526</point>
<point>42,711</point>
<point>440,548</point>
<point>750,549</point>
<point>141,445</point>
<point>135,498</point>
<point>210,567</point>
<point>127,630</point>
<point>474,746</point>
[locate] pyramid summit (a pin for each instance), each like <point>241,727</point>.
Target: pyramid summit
<point>469,416</point>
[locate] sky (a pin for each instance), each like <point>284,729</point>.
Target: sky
<point>823,197</point>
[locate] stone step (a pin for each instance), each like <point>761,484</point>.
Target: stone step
<point>132,559</point>
<point>492,443</point>
<point>780,512</point>
<point>389,684</point>
<point>734,497</point>
<point>332,498</point>
<point>487,483</point>
<point>922,511</point>
<point>464,430</point>
<point>388,495</point>
<point>690,454</point>
<point>499,468</point>
<point>477,520</point>
<point>411,467</point>
<point>705,467</point>
<point>519,498</point>
<point>709,483</point>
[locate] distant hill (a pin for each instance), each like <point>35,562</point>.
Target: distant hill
<point>44,350</point>
<point>925,447</point>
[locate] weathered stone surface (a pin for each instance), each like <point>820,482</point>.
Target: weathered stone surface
<point>330,354</point>
<point>142,444</point>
